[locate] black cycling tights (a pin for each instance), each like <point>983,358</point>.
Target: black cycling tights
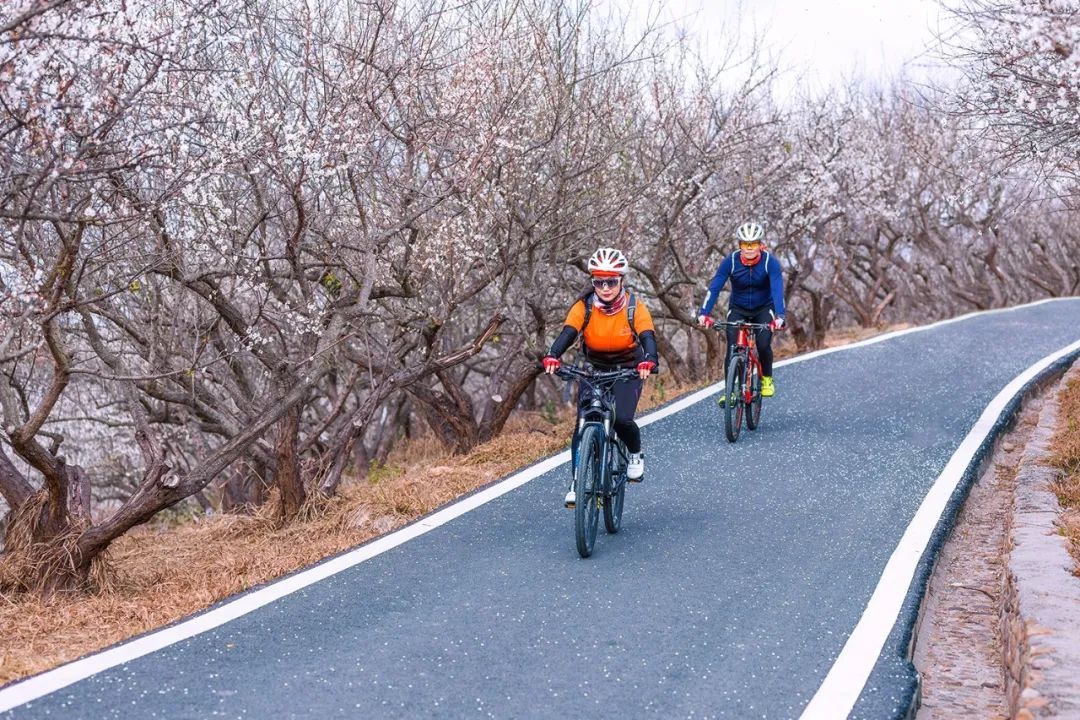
<point>763,316</point>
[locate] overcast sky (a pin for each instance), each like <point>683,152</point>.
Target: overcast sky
<point>817,42</point>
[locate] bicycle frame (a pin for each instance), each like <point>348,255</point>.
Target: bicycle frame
<point>599,482</point>
<point>746,346</point>
<point>601,411</point>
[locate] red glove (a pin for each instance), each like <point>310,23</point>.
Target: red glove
<point>705,321</point>
<point>551,364</point>
<point>776,324</point>
<point>645,367</point>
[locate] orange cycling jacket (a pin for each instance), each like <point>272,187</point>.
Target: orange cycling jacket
<point>608,339</point>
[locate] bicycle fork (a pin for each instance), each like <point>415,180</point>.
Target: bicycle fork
<point>600,491</point>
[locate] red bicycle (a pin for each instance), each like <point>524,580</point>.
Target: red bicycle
<point>742,381</point>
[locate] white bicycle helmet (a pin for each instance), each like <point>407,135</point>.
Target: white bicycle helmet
<point>750,232</point>
<point>608,261</point>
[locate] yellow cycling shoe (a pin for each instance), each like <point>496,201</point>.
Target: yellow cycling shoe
<point>767,389</point>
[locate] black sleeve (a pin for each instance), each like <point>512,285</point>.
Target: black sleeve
<point>564,341</point>
<point>648,344</point>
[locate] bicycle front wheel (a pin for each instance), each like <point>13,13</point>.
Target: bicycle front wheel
<point>588,487</point>
<point>753,412</point>
<point>733,402</point>
<point>615,490</point>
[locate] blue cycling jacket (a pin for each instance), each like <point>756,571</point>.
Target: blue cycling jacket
<point>751,286</point>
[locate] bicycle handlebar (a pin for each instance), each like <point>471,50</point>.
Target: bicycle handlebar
<point>592,375</point>
<point>739,323</point>
<point>569,372</point>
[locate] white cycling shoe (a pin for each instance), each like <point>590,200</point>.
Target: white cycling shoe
<point>635,471</point>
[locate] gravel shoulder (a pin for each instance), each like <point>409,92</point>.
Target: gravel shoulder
<point>999,632</point>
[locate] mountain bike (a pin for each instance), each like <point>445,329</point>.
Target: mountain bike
<point>742,381</point>
<point>600,465</point>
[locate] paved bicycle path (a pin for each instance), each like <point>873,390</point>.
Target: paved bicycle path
<point>739,573</point>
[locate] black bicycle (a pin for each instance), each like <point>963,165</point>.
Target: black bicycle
<point>742,379</point>
<point>600,470</point>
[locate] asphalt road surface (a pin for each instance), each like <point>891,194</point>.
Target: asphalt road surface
<point>738,575</point>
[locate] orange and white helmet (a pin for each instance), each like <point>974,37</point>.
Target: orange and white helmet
<point>608,261</point>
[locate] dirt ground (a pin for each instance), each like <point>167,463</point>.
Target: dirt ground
<point>958,649</point>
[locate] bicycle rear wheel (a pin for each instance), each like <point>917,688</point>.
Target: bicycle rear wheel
<point>613,504</point>
<point>753,412</point>
<point>588,487</point>
<point>733,405</point>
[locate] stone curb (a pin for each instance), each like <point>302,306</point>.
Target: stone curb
<point>1041,623</point>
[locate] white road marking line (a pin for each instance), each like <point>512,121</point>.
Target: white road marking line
<point>52,680</point>
<point>844,682</point>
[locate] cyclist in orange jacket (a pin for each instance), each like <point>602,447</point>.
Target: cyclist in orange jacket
<point>617,332</point>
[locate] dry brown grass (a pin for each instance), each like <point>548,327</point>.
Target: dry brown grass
<point>1065,449</point>
<point>26,565</point>
<point>166,571</point>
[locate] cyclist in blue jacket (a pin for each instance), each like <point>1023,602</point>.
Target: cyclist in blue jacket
<point>757,295</point>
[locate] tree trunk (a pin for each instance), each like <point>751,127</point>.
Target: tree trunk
<point>674,364</point>
<point>245,489</point>
<point>14,487</point>
<point>41,537</point>
<point>333,463</point>
<point>715,352</point>
<point>498,413</point>
<point>451,422</point>
<point>287,477</point>
<point>451,415</point>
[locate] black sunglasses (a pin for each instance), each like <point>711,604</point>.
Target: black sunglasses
<point>606,282</point>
